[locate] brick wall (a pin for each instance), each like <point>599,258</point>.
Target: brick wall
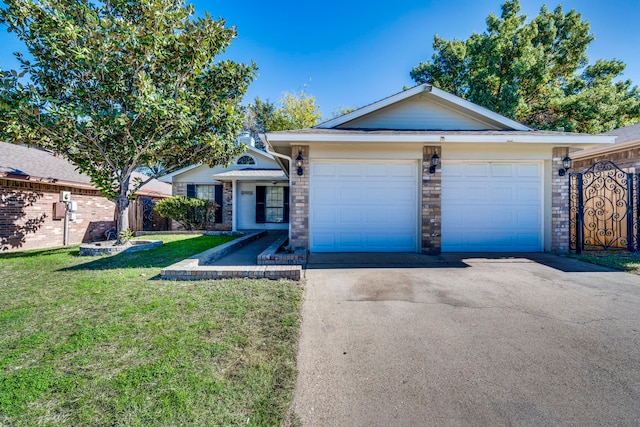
<point>26,215</point>
<point>300,200</point>
<point>628,159</point>
<point>559,203</point>
<point>431,204</point>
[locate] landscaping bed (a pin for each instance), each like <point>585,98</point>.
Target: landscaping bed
<point>105,342</point>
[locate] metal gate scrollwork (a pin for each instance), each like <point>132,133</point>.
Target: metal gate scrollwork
<point>603,209</point>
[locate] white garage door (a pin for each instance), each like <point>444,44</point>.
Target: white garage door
<point>492,207</point>
<point>363,206</point>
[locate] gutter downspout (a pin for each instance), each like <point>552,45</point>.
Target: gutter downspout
<point>269,149</point>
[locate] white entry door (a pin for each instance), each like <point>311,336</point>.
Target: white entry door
<point>363,206</point>
<point>492,207</point>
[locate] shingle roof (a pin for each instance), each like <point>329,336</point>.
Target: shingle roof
<point>33,163</point>
<point>627,133</point>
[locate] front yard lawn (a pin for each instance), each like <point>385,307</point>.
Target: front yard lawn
<point>629,262</point>
<point>102,341</point>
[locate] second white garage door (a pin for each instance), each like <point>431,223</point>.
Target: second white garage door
<point>363,206</point>
<point>492,207</point>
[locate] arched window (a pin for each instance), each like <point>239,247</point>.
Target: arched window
<point>245,160</point>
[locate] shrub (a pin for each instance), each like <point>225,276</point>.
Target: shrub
<point>193,214</point>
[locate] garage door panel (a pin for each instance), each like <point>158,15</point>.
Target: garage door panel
<point>529,194</point>
<point>476,170</point>
<point>528,171</point>
<point>376,209</point>
<point>493,212</point>
<point>501,171</point>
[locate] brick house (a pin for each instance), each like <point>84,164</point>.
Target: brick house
<point>252,192</point>
<point>625,153</point>
<point>426,171</point>
<point>30,214</point>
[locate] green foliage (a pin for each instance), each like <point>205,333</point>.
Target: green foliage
<point>295,111</point>
<point>115,85</point>
<point>191,213</point>
<point>535,72</point>
<point>342,110</point>
<point>126,235</point>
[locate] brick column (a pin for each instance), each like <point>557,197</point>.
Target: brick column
<point>431,203</point>
<point>299,207</point>
<point>227,206</point>
<point>559,203</point>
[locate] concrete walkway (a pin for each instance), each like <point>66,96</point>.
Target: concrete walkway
<point>248,254</point>
<point>467,340</point>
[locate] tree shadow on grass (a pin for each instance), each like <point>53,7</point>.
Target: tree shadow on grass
<point>162,256</point>
<point>38,253</point>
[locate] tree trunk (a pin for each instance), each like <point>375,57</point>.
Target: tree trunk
<point>122,211</point>
<point>122,217</point>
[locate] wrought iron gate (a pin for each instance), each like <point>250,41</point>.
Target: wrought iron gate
<point>603,209</point>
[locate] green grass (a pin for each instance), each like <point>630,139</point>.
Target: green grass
<point>629,262</point>
<point>102,341</point>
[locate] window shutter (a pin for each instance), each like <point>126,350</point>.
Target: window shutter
<point>260,205</point>
<point>218,213</point>
<point>191,190</point>
<point>286,204</point>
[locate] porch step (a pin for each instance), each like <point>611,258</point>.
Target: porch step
<point>199,267</point>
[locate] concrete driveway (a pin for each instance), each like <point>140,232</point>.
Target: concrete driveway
<point>462,340</point>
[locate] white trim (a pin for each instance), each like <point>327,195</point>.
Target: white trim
<point>169,177</point>
<point>467,105</point>
<point>579,155</point>
<point>533,138</point>
<point>432,91</point>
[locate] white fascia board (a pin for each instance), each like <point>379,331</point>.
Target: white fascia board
<point>463,103</point>
<point>258,151</point>
<point>374,107</point>
<point>606,149</point>
<point>169,177</point>
<point>434,138</point>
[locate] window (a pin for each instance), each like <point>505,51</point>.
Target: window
<point>208,192</point>
<point>245,160</point>
<point>272,204</point>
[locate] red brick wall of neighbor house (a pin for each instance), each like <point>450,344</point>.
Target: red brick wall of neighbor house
<point>26,216</point>
<point>625,159</point>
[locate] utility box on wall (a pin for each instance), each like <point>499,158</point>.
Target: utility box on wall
<point>59,210</point>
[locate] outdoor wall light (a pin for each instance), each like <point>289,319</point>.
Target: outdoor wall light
<point>566,165</point>
<point>299,163</point>
<point>434,162</point>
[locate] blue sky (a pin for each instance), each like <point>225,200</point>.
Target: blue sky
<point>352,53</point>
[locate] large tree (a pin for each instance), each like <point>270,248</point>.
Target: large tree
<point>293,111</point>
<point>113,85</point>
<point>536,72</point>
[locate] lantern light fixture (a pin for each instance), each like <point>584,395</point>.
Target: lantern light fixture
<point>435,159</point>
<point>566,165</point>
<point>299,162</point>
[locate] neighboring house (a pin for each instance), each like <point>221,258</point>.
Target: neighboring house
<point>625,153</point>
<point>252,192</point>
<point>31,216</point>
<point>365,182</point>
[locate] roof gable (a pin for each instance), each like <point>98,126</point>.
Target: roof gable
<point>202,172</point>
<point>424,107</point>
